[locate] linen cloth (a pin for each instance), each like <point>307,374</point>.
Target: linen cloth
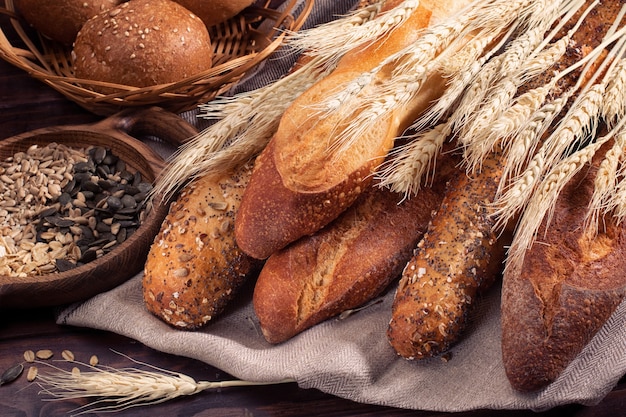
<point>350,357</point>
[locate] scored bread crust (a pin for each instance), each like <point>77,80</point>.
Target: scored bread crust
<point>142,43</point>
<point>566,289</point>
<point>194,267</point>
<point>569,283</point>
<point>299,185</point>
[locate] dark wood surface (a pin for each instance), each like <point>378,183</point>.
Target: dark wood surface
<point>26,104</point>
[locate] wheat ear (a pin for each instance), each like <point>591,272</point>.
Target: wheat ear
<point>358,27</point>
<point>541,205</point>
<point>606,196</point>
<point>407,165</point>
<point>115,390</point>
<point>245,124</point>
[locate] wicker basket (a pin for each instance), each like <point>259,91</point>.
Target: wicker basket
<point>239,45</point>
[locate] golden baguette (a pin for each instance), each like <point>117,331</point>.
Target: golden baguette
<point>194,267</point>
<point>299,185</point>
<point>346,264</point>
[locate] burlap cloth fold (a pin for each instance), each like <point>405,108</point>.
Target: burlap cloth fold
<point>351,357</point>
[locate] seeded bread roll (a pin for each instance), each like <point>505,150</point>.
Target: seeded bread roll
<point>142,43</point>
<point>212,12</point>
<point>194,267</point>
<point>60,20</point>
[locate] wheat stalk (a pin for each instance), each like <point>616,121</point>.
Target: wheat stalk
<point>337,37</point>
<point>408,164</point>
<point>541,205</point>
<point>245,124</point>
<point>115,390</point>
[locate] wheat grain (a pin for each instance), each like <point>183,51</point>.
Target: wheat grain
<point>115,390</point>
<point>541,205</point>
<point>335,38</point>
<point>404,171</point>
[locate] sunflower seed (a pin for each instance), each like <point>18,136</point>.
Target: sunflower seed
<point>11,374</point>
<point>29,356</point>
<point>44,354</point>
<point>32,374</point>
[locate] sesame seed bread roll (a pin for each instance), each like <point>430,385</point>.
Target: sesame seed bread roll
<point>142,43</point>
<point>212,12</point>
<point>60,20</point>
<point>194,267</point>
<point>298,186</point>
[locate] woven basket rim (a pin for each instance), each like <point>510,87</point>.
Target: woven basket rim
<point>249,38</point>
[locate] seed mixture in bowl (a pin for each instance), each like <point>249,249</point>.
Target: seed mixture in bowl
<point>62,207</point>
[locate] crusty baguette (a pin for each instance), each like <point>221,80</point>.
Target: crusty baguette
<point>346,264</point>
<point>459,256</point>
<point>298,186</point>
<point>569,282</point>
<point>194,267</point>
<point>568,286</point>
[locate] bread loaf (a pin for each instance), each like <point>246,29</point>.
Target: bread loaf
<point>344,265</point>
<point>570,281</point>
<point>142,43</point>
<point>194,267</point>
<point>460,256</point>
<point>298,184</point>
<point>569,285</point>
<point>212,12</point>
<point>60,20</point>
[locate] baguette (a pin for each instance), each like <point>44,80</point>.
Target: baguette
<point>298,186</point>
<point>194,267</point>
<point>567,288</point>
<point>344,265</point>
<point>569,283</point>
<point>459,256</point>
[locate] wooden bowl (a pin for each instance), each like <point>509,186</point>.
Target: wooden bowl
<point>119,133</point>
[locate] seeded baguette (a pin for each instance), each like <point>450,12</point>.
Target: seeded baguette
<point>459,256</point>
<point>298,186</point>
<point>194,267</point>
<point>344,265</point>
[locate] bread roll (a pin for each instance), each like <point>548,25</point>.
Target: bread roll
<point>60,20</point>
<point>298,186</point>
<point>212,12</point>
<point>142,43</point>
<point>344,265</point>
<point>194,267</point>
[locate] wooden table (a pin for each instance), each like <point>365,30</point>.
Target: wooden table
<point>26,104</point>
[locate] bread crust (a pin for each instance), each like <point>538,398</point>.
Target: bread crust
<point>60,20</point>
<point>299,185</point>
<point>142,43</point>
<point>459,257</point>
<point>194,267</point>
<point>344,265</point>
<point>569,282</point>
<point>212,12</point>
<point>568,286</point>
